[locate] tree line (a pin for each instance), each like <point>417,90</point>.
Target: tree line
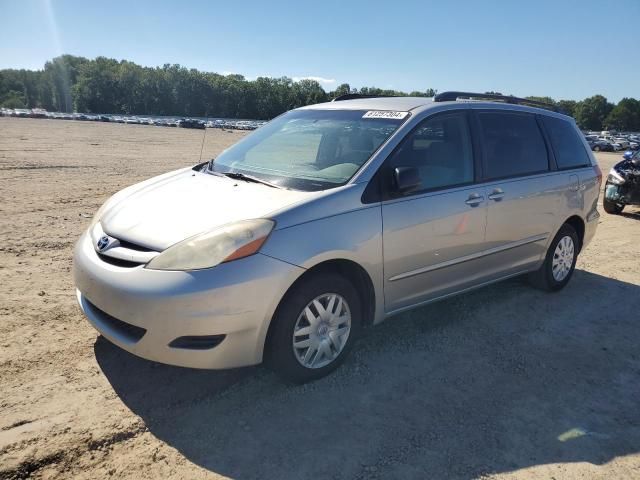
<point>69,83</point>
<point>103,85</point>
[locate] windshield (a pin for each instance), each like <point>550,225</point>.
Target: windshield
<point>310,149</point>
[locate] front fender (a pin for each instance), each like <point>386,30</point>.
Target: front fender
<point>354,236</point>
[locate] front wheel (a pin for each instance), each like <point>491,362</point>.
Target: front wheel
<point>314,328</point>
<point>559,263</point>
<point>596,148</point>
<point>612,207</point>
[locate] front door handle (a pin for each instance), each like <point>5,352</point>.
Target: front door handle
<point>474,200</point>
<point>496,195</point>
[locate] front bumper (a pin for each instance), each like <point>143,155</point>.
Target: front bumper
<point>627,194</point>
<point>235,299</point>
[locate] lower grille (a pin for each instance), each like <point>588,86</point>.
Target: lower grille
<point>118,262</point>
<point>204,342</point>
<point>130,332</point>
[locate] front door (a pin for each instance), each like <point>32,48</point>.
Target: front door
<point>432,237</point>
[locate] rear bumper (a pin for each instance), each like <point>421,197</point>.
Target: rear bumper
<point>590,228</point>
<point>235,300</point>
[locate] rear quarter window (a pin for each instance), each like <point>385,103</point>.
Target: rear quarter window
<point>513,144</point>
<point>567,146</point>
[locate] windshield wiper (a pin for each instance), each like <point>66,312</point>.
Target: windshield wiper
<point>249,178</point>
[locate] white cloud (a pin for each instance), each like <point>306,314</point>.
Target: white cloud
<point>320,80</point>
<point>324,82</point>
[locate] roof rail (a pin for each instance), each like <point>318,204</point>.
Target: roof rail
<point>353,96</point>
<point>453,96</point>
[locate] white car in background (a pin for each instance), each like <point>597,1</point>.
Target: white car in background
<point>623,142</point>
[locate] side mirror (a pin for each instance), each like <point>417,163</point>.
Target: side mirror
<point>406,179</point>
<point>627,155</point>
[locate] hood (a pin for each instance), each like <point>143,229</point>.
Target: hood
<point>165,210</point>
<point>628,166</point>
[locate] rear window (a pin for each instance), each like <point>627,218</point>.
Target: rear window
<point>513,144</point>
<point>567,146</point>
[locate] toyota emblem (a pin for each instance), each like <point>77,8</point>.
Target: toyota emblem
<point>103,243</point>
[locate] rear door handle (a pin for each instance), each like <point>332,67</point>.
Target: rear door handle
<point>474,200</point>
<point>496,195</point>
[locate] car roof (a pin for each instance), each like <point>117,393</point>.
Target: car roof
<point>401,104</point>
<point>406,104</point>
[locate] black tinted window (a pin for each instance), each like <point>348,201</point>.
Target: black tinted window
<point>440,148</point>
<point>567,146</point>
<point>513,144</point>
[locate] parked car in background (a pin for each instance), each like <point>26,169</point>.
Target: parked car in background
<point>623,184</point>
<point>616,146</point>
<point>190,123</point>
<point>600,145</point>
<point>622,141</point>
<point>332,217</point>
<point>38,113</point>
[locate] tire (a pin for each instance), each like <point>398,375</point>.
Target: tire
<point>286,360</point>
<point>544,278</point>
<point>596,148</point>
<point>612,207</point>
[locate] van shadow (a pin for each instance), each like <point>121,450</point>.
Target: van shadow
<point>493,381</point>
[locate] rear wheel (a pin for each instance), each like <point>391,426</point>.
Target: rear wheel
<point>596,148</point>
<point>559,263</point>
<point>612,207</point>
<point>314,328</point>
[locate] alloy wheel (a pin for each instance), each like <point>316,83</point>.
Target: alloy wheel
<point>562,258</point>
<point>321,330</point>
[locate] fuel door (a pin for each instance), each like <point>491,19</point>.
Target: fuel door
<point>574,183</point>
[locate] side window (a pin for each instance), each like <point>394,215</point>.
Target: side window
<point>440,148</point>
<point>513,144</point>
<point>567,146</point>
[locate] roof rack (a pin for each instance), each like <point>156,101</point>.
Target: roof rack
<point>353,96</point>
<point>453,96</point>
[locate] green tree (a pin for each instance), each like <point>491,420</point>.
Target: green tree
<point>548,100</point>
<point>625,116</point>
<point>568,106</point>
<point>12,99</point>
<point>60,74</point>
<point>591,112</point>
<point>106,85</point>
<point>96,90</point>
<point>343,89</point>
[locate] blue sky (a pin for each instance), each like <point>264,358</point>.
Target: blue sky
<point>564,49</point>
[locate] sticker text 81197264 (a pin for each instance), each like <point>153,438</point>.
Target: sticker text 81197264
<point>385,114</point>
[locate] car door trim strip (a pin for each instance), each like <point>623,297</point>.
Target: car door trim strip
<point>473,256</point>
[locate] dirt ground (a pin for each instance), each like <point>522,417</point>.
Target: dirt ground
<point>506,382</point>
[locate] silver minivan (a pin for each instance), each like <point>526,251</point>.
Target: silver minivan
<point>333,217</point>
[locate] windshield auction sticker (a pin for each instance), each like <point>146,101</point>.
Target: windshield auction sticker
<point>385,114</point>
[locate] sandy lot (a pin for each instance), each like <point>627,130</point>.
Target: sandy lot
<point>506,382</point>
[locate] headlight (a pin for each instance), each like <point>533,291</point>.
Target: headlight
<point>206,250</point>
<point>615,178</point>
